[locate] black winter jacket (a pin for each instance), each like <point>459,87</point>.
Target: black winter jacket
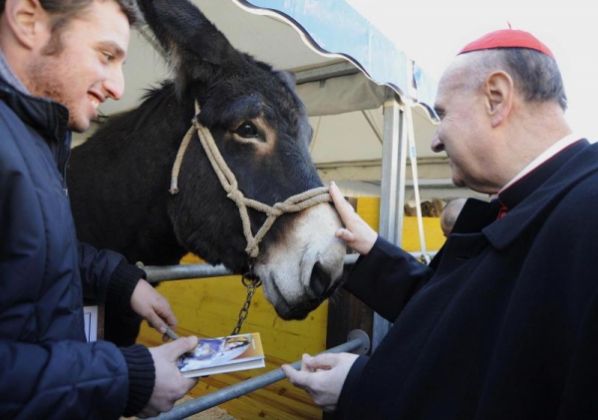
<point>47,369</point>
<point>504,322</point>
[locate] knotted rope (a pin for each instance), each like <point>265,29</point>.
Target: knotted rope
<point>293,204</point>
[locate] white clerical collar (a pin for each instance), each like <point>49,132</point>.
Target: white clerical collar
<point>543,157</point>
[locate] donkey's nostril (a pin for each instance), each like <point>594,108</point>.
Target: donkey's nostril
<point>320,280</point>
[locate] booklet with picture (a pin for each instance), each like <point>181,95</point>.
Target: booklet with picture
<point>223,354</point>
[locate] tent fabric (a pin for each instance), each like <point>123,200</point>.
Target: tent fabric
<point>333,26</point>
<point>278,39</point>
<point>338,95</point>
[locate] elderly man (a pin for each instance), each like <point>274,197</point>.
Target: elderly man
<point>59,60</point>
<point>502,324</point>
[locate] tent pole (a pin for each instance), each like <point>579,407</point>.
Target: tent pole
<point>392,194</point>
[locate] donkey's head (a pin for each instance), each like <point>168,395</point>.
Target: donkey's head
<point>262,132</point>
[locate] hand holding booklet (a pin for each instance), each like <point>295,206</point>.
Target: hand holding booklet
<point>223,354</point>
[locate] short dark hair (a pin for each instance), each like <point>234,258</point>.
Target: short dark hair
<point>63,11</point>
<point>535,74</point>
<point>72,7</point>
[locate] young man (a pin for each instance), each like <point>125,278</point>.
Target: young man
<point>502,324</point>
<point>59,60</point>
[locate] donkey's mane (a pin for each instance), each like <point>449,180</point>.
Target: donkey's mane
<point>135,119</point>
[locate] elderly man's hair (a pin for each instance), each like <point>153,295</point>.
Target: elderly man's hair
<point>535,74</point>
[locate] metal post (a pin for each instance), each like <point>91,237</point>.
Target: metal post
<point>391,169</point>
<point>358,341</point>
<point>392,194</point>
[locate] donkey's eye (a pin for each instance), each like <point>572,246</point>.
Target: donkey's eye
<point>247,130</point>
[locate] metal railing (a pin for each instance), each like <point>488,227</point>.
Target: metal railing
<point>156,273</point>
<point>358,342</point>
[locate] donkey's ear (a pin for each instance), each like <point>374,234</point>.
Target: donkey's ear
<point>189,40</point>
<point>287,78</point>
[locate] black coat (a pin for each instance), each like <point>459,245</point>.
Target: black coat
<point>504,323</point>
<point>47,370</point>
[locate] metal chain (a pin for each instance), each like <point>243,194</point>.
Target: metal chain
<point>251,282</point>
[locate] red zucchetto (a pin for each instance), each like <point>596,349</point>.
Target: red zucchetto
<point>507,38</point>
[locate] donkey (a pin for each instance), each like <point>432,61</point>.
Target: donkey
<point>119,179</point>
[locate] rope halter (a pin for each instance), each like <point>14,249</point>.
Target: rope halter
<point>293,204</point>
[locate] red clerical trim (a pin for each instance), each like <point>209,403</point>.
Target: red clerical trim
<point>502,211</point>
<point>507,38</point>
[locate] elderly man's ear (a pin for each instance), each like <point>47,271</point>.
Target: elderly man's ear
<point>28,22</point>
<point>498,91</point>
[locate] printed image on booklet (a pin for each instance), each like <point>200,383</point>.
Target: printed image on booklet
<point>223,354</point>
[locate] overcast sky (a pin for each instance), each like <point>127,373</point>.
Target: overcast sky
<point>433,35</point>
